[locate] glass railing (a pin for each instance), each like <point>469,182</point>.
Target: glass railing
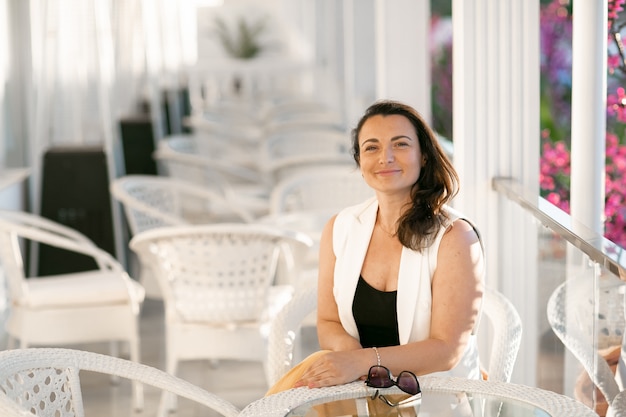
<point>581,277</point>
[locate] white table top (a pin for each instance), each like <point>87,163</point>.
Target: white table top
<point>442,396</point>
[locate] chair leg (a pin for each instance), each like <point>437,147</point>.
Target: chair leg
<point>138,394</point>
<point>169,401</point>
<point>11,342</point>
<point>114,351</point>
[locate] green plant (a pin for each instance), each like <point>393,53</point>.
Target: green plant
<point>243,41</point>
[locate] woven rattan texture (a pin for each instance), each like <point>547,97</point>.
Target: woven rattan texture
<point>46,380</point>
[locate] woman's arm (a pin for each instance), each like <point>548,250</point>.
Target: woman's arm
<point>456,299</point>
<point>345,361</point>
<point>330,332</point>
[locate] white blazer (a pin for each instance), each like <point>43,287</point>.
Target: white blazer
<point>352,232</point>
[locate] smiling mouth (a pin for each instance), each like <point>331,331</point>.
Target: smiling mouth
<point>387,171</point>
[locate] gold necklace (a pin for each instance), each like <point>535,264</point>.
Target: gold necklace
<point>386,232</point>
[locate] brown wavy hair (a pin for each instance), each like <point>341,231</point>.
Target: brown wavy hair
<point>437,184</point>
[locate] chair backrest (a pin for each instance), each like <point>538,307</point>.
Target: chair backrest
<point>313,141</point>
<point>284,332</point>
<point>330,189</point>
<point>9,408</point>
<point>506,335</point>
<point>151,201</point>
<point>182,159</point>
<point>46,381</point>
<point>17,226</point>
<point>283,154</point>
<point>233,265</point>
<point>580,338</point>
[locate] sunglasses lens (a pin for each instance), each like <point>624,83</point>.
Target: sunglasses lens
<point>407,382</point>
<point>379,377</point>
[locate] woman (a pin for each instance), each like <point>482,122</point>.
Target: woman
<point>400,275</point>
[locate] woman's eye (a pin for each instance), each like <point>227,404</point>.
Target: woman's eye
<point>370,148</point>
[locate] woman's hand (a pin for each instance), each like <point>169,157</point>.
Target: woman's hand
<point>336,368</point>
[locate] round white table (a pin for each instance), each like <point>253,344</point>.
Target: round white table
<point>441,396</point>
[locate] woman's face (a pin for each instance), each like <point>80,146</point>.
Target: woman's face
<point>390,154</point>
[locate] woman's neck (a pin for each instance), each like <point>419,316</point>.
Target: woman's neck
<point>389,212</point>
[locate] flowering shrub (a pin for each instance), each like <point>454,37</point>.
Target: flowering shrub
<point>441,74</point>
<point>556,36</point>
<point>555,111</point>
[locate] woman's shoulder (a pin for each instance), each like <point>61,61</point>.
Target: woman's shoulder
<point>361,213</point>
<point>460,230</point>
<point>358,211</point>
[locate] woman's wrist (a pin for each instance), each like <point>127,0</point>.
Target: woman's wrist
<point>377,355</point>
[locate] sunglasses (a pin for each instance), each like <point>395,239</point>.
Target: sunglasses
<point>380,377</point>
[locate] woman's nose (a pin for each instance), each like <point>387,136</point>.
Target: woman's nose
<point>387,156</point>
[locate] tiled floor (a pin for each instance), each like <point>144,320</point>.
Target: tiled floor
<point>235,381</point>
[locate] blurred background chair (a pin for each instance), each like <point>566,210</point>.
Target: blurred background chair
<point>180,158</point>
<point>151,201</point>
<point>330,189</point>
<point>218,286</point>
<point>99,305</point>
<point>47,381</point>
<point>308,199</point>
<point>284,154</point>
<point>570,312</point>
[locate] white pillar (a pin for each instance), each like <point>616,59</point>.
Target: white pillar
<point>496,133</point>
<point>589,113</point>
<point>403,52</point>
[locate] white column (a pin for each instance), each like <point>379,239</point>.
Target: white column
<point>403,52</point>
<point>589,113</point>
<point>588,141</point>
<point>496,133</point>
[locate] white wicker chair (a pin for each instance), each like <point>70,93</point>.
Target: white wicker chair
<point>505,338</point>
<point>306,200</point>
<point>506,335</point>
<point>217,285</point>
<point>9,408</point>
<point>580,335</point>
<point>286,153</point>
<point>283,348</point>
<point>330,189</point>
<point>46,381</point>
<point>100,305</point>
<point>302,117</point>
<point>244,186</point>
<point>151,201</point>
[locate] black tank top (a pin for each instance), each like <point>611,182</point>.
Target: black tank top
<point>375,315</point>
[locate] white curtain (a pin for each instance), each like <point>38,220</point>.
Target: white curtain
<point>95,60</point>
<point>4,79</point>
<point>82,49</point>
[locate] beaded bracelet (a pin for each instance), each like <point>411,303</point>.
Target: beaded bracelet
<point>377,355</point>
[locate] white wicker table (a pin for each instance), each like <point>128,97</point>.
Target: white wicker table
<point>450,397</point>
